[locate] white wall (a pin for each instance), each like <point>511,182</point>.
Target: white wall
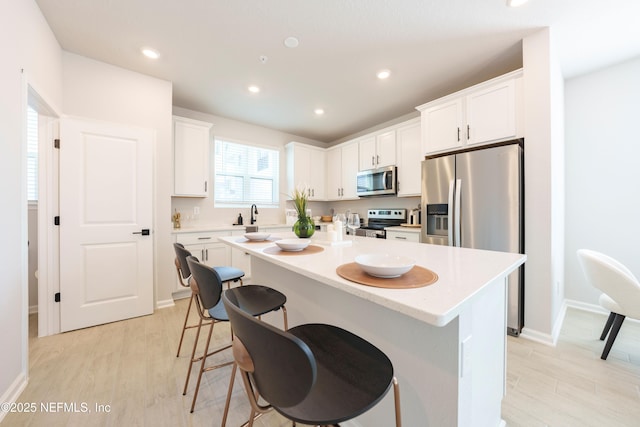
<point>100,91</point>
<point>602,170</point>
<point>544,188</point>
<point>26,43</point>
<point>242,132</point>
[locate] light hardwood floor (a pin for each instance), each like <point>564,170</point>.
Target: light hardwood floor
<point>131,366</point>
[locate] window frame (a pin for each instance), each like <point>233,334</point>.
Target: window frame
<point>247,176</point>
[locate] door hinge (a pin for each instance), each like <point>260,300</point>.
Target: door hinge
<point>56,220</point>
<point>56,297</point>
<point>56,143</point>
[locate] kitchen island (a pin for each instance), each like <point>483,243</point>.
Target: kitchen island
<point>447,340</point>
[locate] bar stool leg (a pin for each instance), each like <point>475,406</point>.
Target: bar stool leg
<point>185,327</point>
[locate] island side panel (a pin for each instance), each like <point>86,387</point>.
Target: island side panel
<point>483,357</point>
<point>425,357</point>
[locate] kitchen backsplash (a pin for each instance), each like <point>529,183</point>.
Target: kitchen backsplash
<point>208,215</point>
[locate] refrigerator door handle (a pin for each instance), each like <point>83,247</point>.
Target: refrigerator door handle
<point>457,213</point>
<point>452,188</point>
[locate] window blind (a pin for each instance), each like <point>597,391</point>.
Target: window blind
<point>245,174</point>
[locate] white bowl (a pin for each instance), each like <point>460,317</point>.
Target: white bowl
<point>293,245</point>
<point>257,236</point>
<point>385,266</point>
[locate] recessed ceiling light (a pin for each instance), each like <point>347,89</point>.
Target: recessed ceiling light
<point>319,111</point>
<point>291,42</point>
<point>516,3</point>
<point>383,74</point>
<point>253,89</point>
<point>150,53</point>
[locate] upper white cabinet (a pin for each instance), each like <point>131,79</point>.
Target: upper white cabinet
<point>491,113</point>
<point>377,150</point>
<point>342,171</point>
<point>482,114</point>
<point>410,156</point>
<point>191,141</point>
<point>306,166</point>
<point>442,123</point>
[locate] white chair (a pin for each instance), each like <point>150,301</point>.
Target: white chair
<point>621,291</point>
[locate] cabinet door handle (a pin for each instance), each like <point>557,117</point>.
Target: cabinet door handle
<point>458,134</point>
<point>205,186</point>
<point>468,133</point>
<point>202,254</point>
<point>206,254</point>
<point>401,238</point>
<point>377,159</point>
<point>204,238</point>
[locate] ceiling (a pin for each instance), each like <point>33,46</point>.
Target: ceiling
<point>211,50</point>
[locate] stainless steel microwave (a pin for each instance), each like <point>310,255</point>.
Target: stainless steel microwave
<point>377,182</point>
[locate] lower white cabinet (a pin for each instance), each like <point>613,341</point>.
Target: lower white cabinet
<point>206,247</point>
<point>403,236</point>
<point>239,258</point>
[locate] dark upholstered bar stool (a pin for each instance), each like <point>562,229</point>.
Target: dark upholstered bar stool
<point>227,274</point>
<point>312,374</point>
<point>206,285</point>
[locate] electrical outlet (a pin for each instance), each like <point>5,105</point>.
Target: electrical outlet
<point>196,210</point>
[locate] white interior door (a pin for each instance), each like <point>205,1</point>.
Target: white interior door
<point>106,260</point>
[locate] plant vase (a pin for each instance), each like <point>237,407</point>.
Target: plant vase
<point>304,227</point>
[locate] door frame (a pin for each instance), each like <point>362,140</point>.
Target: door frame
<point>48,235</point>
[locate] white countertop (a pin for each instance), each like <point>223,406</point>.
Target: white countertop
<point>462,273</point>
<point>404,229</point>
<point>207,228</point>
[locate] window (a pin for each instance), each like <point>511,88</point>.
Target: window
<point>32,154</point>
<point>245,174</point>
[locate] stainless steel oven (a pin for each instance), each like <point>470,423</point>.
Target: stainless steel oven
<point>379,219</point>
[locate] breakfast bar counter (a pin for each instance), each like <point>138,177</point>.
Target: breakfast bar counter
<point>446,339</point>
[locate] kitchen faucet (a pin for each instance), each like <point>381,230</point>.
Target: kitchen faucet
<point>254,211</point>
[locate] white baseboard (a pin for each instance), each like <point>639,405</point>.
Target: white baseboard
<point>33,309</point>
<point>595,308</point>
<point>164,303</point>
<point>183,293</point>
<point>13,392</point>
<point>543,338</point>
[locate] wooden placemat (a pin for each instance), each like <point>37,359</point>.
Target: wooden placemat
<point>311,249</point>
<point>245,240</point>
<point>417,277</point>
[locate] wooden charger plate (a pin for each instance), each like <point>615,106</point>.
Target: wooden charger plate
<point>417,277</point>
<point>275,250</point>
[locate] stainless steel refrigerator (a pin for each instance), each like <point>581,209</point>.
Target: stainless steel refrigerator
<point>474,199</point>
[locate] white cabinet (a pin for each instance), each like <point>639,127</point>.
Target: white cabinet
<point>410,156</point>
<point>306,167</point>
<point>408,236</point>
<point>191,140</point>
<point>442,123</point>
<point>491,113</point>
<point>342,171</point>
<point>377,150</point>
<point>239,258</point>
<point>206,247</point>
<point>482,114</point>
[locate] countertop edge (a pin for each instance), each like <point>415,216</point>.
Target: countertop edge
<point>434,318</point>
